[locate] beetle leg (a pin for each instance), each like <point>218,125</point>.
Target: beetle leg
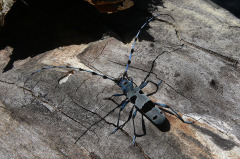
<point>119,114</point>
<point>143,127</point>
<point>114,95</point>
<point>156,84</point>
<point>166,106</point>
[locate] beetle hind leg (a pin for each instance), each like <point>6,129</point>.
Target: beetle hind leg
<point>143,127</point>
<point>179,117</point>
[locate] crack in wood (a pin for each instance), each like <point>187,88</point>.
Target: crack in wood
<point>226,58</point>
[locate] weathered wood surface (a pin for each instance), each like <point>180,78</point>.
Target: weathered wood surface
<point>200,73</point>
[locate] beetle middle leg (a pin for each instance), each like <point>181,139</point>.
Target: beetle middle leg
<point>125,102</point>
<point>156,84</point>
<point>121,126</point>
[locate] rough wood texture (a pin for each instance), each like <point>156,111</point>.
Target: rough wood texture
<point>201,80</point>
<point>5,6</point>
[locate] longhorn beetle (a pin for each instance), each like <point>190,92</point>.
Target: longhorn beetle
<point>133,94</point>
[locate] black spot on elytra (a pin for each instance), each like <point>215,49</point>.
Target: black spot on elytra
<point>155,117</point>
<point>133,99</point>
<point>148,106</point>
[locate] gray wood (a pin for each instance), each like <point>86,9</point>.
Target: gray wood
<point>200,73</point>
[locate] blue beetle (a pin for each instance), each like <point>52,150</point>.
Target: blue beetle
<point>142,103</point>
<point>134,94</point>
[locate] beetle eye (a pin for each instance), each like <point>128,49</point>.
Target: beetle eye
<point>155,117</point>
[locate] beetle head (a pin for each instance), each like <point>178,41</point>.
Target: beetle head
<point>126,84</point>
